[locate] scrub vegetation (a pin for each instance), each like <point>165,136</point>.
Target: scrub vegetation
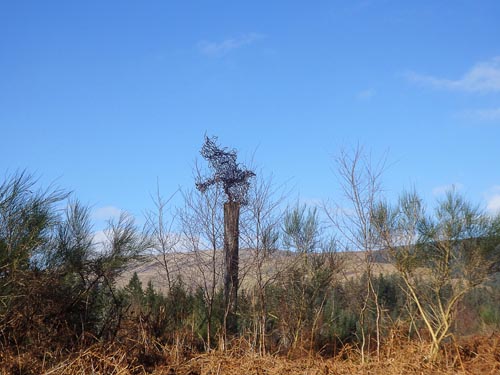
<point>377,287</point>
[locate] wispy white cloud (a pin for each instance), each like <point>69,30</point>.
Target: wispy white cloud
<point>310,202</point>
<point>493,200</point>
<point>100,238</point>
<point>365,94</point>
<point>483,77</point>
<point>484,114</point>
<point>106,213</point>
<point>227,45</point>
<point>443,189</point>
<point>494,204</point>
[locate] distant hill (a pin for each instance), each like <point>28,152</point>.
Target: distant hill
<point>197,268</point>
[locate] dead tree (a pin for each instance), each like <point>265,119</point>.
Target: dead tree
<point>234,180</point>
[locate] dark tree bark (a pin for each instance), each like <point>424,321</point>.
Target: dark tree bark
<point>231,260</point>
<point>234,180</point>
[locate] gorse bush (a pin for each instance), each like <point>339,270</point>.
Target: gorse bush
<point>56,283</point>
<point>60,290</point>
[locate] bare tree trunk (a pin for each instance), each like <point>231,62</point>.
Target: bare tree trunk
<point>201,220</point>
<point>231,259</point>
<point>360,181</point>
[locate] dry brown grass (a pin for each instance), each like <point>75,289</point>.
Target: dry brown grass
<point>474,355</point>
<point>189,265</point>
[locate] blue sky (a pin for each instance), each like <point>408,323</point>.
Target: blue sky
<point>108,97</point>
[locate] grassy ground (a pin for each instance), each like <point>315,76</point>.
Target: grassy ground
<point>474,355</point>
<point>191,266</point>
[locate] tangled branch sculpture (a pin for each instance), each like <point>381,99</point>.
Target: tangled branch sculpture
<point>233,178</point>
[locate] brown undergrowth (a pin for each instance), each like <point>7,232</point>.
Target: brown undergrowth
<point>472,355</point>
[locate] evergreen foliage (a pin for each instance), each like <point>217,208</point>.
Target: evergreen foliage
<point>60,288</point>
